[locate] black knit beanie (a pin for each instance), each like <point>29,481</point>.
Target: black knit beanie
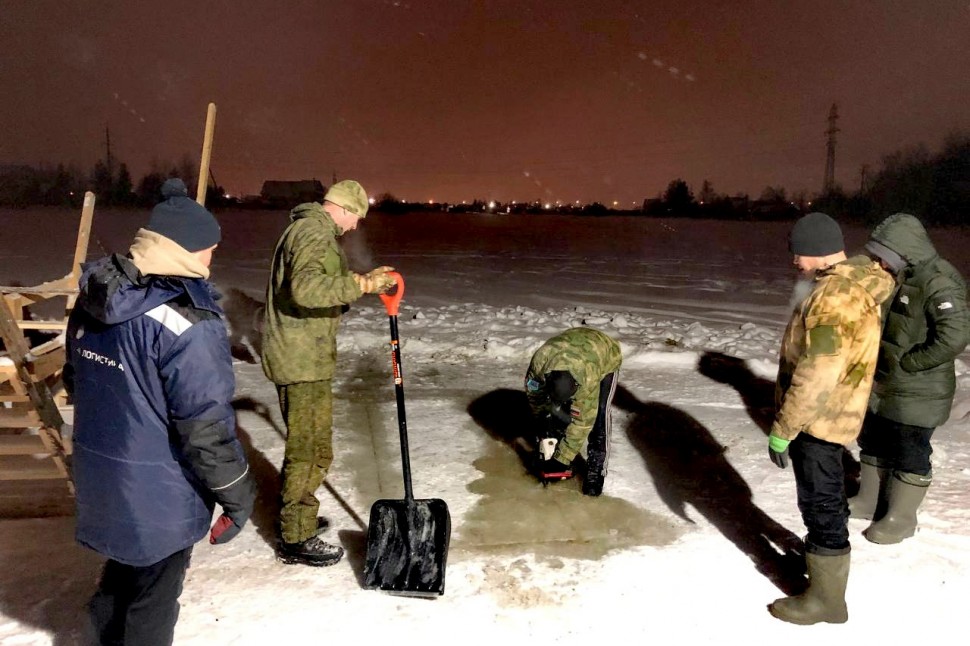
<point>183,220</point>
<point>816,235</point>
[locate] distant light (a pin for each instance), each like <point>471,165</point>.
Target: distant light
<point>430,201</point>
<point>809,203</point>
<point>577,202</point>
<point>615,202</point>
<point>403,201</point>
<point>371,201</point>
<point>548,206</point>
<point>491,204</point>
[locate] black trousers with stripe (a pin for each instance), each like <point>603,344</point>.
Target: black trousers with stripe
<point>599,440</point>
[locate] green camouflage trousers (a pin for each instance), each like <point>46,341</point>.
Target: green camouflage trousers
<point>307,409</point>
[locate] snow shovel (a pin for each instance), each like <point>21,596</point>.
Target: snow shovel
<point>407,540</point>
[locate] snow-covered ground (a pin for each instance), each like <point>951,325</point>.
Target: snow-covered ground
<point>684,544</point>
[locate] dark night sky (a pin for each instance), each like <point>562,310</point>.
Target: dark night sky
<point>497,99</point>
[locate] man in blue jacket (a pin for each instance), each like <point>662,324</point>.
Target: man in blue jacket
<point>155,445</point>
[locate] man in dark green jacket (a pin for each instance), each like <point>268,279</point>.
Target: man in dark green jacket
<point>310,284</point>
<point>927,326</point>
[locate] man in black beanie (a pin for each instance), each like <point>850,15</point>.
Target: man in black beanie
<point>155,446</point>
<point>827,361</point>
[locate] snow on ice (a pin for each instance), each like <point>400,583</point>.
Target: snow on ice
<point>694,518</point>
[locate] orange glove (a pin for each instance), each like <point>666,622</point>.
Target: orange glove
<point>376,281</point>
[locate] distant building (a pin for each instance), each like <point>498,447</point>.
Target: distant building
<point>285,194</point>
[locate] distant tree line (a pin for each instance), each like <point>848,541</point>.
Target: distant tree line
<point>22,186</point>
<point>932,186</point>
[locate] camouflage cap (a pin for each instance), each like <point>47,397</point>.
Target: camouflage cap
<point>350,195</point>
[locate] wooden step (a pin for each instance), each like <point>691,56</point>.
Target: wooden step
<point>9,418</point>
<point>30,470</point>
<point>22,444</point>
<point>14,398</point>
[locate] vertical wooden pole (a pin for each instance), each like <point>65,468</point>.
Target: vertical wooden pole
<point>81,247</point>
<point>210,127</point>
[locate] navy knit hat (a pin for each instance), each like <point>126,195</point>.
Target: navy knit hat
<point>816,235</point>
<point>183,220</point>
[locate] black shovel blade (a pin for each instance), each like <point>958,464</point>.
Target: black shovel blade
<point>407,547</point>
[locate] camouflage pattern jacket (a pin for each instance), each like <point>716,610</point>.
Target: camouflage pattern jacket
<point>927,327</point>
<point>828,354</point>
<point>588,355</point>
<point>309,287</point>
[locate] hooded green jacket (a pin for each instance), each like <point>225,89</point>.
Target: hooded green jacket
<point>309,286</point>
<point>927,327</point>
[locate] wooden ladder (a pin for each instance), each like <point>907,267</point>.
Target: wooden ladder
<point>35,442</point>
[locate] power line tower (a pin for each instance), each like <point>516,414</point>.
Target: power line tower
<point>864,179</point>
<point>107,143</point>
<point>829,182</point>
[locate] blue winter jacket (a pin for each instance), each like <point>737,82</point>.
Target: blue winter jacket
<point>154,431</point>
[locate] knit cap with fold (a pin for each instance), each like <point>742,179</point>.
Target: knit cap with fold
<point>816,235</point>
<point>183,220</point>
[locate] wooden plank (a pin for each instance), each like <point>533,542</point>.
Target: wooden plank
<point>81,247</point>
<point>22,444</point>
<point>32,470</point>
<point>16,346</point>
<point>14,398</point>
<point>42,325</point>
<point>10,418</point>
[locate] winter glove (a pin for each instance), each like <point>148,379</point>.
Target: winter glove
<point>376,281</point>
<point>237,506</point>
<point>223,530</point>
<point>778,451</point>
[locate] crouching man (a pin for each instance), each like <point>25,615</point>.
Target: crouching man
<point>570,385</point>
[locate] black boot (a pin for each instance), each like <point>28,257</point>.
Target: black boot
<point>312,551</point>
<point>593,484</point>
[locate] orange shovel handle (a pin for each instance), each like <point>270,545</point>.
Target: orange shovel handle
<point>392,302</point>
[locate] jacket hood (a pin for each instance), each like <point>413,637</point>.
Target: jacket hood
<point>113,291</point>
<point>862,270</point>
<point>905,235</point>
<point>155,254</point>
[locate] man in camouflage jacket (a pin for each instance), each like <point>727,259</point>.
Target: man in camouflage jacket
<point>310,285</point>
<point>827,361</point>
<point>927,327</point>
<point>570,384</point>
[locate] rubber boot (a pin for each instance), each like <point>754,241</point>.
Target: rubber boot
<point>824,601</point>
<point>870,502</point>
<point>905,493</point>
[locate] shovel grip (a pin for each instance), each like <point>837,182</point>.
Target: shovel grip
<point>392,302</point>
